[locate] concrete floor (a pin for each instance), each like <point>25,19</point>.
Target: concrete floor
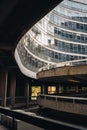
<point>3,127</point>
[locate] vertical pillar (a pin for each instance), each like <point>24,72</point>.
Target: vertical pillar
<point>43,89</point>
<point>57,89</point>
<point>46,89</point>
<point>3,87</point>
<point>12,89</point>
<point>77,89</point>
<point>65,89</point>
<point>80,88</point>
<point>27,93</point>
<point>60,88</point>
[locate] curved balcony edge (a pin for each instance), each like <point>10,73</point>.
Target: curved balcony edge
<point>23,69</point>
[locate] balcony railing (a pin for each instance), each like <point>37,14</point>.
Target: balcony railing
<point>67,63</point>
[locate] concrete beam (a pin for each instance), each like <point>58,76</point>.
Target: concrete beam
<point>65,71</point>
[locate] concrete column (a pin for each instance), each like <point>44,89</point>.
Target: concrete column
<point>43,89</point>
<point>3,86</point>
<point>60,88</point>
<point>27,93</point>
<point>12,89</point>
<point>46,89</point>
<point>77,89</point>
<point>80,88</point>
<point>57,89</point>
<point>65,89</point>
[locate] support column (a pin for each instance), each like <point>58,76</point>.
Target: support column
<point>65,89</point>
<point>60,88</point>
<point>43,89</point>
<point>77,89</point>
<point>57,89</point>
<point>3,87</point>
<point>27,93</point>
<point>12,89</point>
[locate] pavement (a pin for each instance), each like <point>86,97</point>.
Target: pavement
<point>3,127</point>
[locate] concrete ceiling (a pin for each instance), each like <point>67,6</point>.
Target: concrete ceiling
<point>16,17</point>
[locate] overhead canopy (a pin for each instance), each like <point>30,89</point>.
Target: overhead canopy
<point>16,17</point>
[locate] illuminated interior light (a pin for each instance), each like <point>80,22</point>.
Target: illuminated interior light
<point>72,80</point>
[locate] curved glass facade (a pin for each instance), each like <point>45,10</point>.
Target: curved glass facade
<point>60,36</point>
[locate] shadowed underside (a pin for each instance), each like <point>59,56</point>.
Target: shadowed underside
<point>16,17</point>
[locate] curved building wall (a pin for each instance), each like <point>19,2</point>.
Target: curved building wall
<point>60,36</point>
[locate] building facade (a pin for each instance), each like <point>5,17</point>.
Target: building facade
<point>59,37</point>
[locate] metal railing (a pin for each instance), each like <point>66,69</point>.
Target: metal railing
<point>68,99</point>
<point>35,120</point>
<point>66,63</point>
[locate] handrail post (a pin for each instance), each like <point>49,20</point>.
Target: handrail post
<point>73,101</point>
<point>13,123</point>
